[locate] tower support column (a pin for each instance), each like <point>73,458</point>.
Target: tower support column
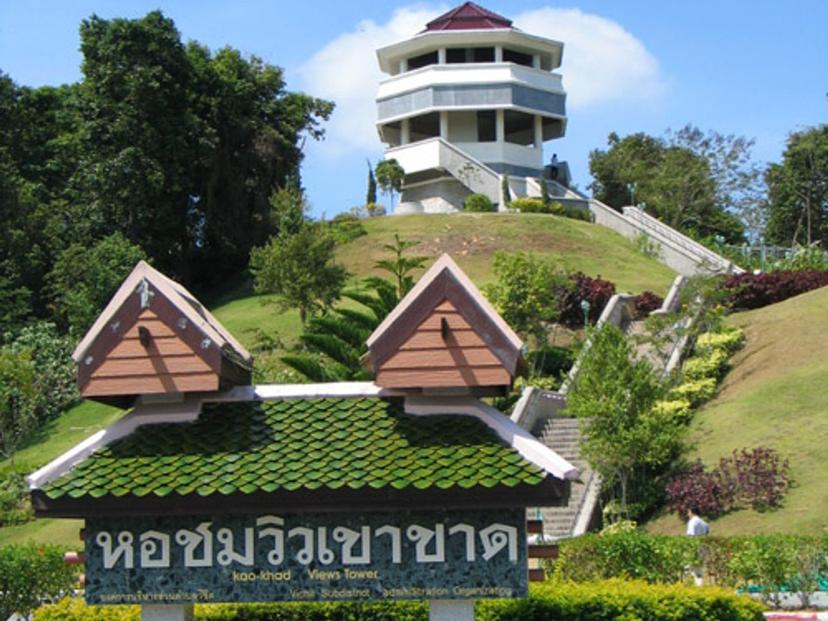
<point>405,131</point>
<point>500,126</point>
<point>498,53</point>
<point>538,131</point>
<point>444,124</point>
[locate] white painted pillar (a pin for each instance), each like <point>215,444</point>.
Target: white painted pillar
<point>403,65</point>
<point>536,63</point>
<point>167,612</point>
<point>538,131</point>
<point>444,124</point>
<point>405,131</point>
<point>441,56</point>
<point>451,610</point>
<point>500,126</point>
<point>498,53</point>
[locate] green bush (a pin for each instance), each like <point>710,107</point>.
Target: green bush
<point>479,202</point>
<point>677,408</point>
<point>531,205</point>
<point>635,555</point>
<point>73,609</point>
<point>30,574</point>
<point>710,363</point>
<point>576,213</point>
<point>346,227</point>
<point>620,599</point>
<point>695,391</point>
<point>14,500</point>
<point>729,341</point>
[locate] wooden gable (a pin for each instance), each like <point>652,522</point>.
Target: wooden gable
<point>155,338</point>
<point>445,335</point>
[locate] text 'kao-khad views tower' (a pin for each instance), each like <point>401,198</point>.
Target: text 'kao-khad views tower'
<point>470,99</point>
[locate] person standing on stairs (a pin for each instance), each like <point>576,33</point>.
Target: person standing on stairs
<point>697,527</point>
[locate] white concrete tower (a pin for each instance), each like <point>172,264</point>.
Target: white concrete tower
<point>469,99</point>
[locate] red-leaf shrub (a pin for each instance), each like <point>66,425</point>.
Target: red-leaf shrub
<point>748,291</point>
<point>595,290</point>
<point>756,478</point>
<point>696,488</point>
<point>646,302</point>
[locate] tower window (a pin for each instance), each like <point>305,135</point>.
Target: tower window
<point>423,60</point>
<point>519,58</point>
<point>484,55</point>
<point>456,55</point>
<point>486,126</point>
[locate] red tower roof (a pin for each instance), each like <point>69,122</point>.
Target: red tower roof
<point>468,16</point>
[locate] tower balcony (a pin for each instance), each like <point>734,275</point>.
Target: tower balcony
<point>471,86</point>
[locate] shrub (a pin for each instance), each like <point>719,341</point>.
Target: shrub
<point>346,227</point>
<point>677,408</point>
<point>695,391</point>
<point>530,205</point>
<point>756,478</point>
<point>75,610</point>
<point>728,340</point>
<point>30,574</point>
<point>710,363</point>
<point>595,290</point>
<point>479,202</point>
<point>577,213</point>
<point>621,599</point>
<point>747,291</point>
<point>646,302</point>
<point>551,361</point>
<point>14,496</point>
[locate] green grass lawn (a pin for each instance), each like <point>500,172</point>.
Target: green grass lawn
<point>471,240</point>
<point>775,396</point>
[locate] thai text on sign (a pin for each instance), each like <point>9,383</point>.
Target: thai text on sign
<point>337,556</point>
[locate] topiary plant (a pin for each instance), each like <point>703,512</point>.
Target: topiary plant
<point>479,202</point>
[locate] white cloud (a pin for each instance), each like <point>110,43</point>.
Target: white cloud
<point>603,63</point>
<point>346,71</point>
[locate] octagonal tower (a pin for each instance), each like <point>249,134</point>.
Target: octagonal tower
<point>468,100</point>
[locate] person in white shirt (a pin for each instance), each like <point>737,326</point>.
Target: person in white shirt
<point>696,527</point>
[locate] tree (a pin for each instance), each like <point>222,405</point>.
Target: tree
<point>798,190</point>
<point>299,268</point>
<point>371,195</point>
<point>526,293</point>
<point>390,176</point>
<point>544,188</point>
<point>625,436</point>
<point>335,342</point>
<point>84,279</point>
<point>693,181</point>
<point>399,266</point>
<point>17,400</point>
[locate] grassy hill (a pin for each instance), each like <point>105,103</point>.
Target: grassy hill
<point>775,396</point>
<point>471,239</point>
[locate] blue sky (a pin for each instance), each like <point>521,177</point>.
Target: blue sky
<point>758,69</point>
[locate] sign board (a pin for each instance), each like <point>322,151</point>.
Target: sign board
<point>315,557</point>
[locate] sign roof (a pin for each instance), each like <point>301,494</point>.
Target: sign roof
<point>340,450</point>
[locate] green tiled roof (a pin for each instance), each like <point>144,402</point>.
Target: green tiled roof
<point>293,445</point>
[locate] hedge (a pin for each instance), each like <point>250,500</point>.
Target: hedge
<point>620,599</point>
<point>766,564</point>
<point>598,601</point>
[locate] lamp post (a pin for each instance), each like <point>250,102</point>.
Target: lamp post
<point>585,308</point>
<point>631,188</point>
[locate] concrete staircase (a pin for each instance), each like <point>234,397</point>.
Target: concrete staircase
<point>563,436</point>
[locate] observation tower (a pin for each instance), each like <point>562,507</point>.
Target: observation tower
<point>468,101</point>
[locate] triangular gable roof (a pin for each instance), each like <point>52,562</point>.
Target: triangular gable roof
<point>444,280</point>
<point>179,296</point>
<point>468,16</point>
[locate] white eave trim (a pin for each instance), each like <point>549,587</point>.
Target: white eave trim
<point>514,435</point>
